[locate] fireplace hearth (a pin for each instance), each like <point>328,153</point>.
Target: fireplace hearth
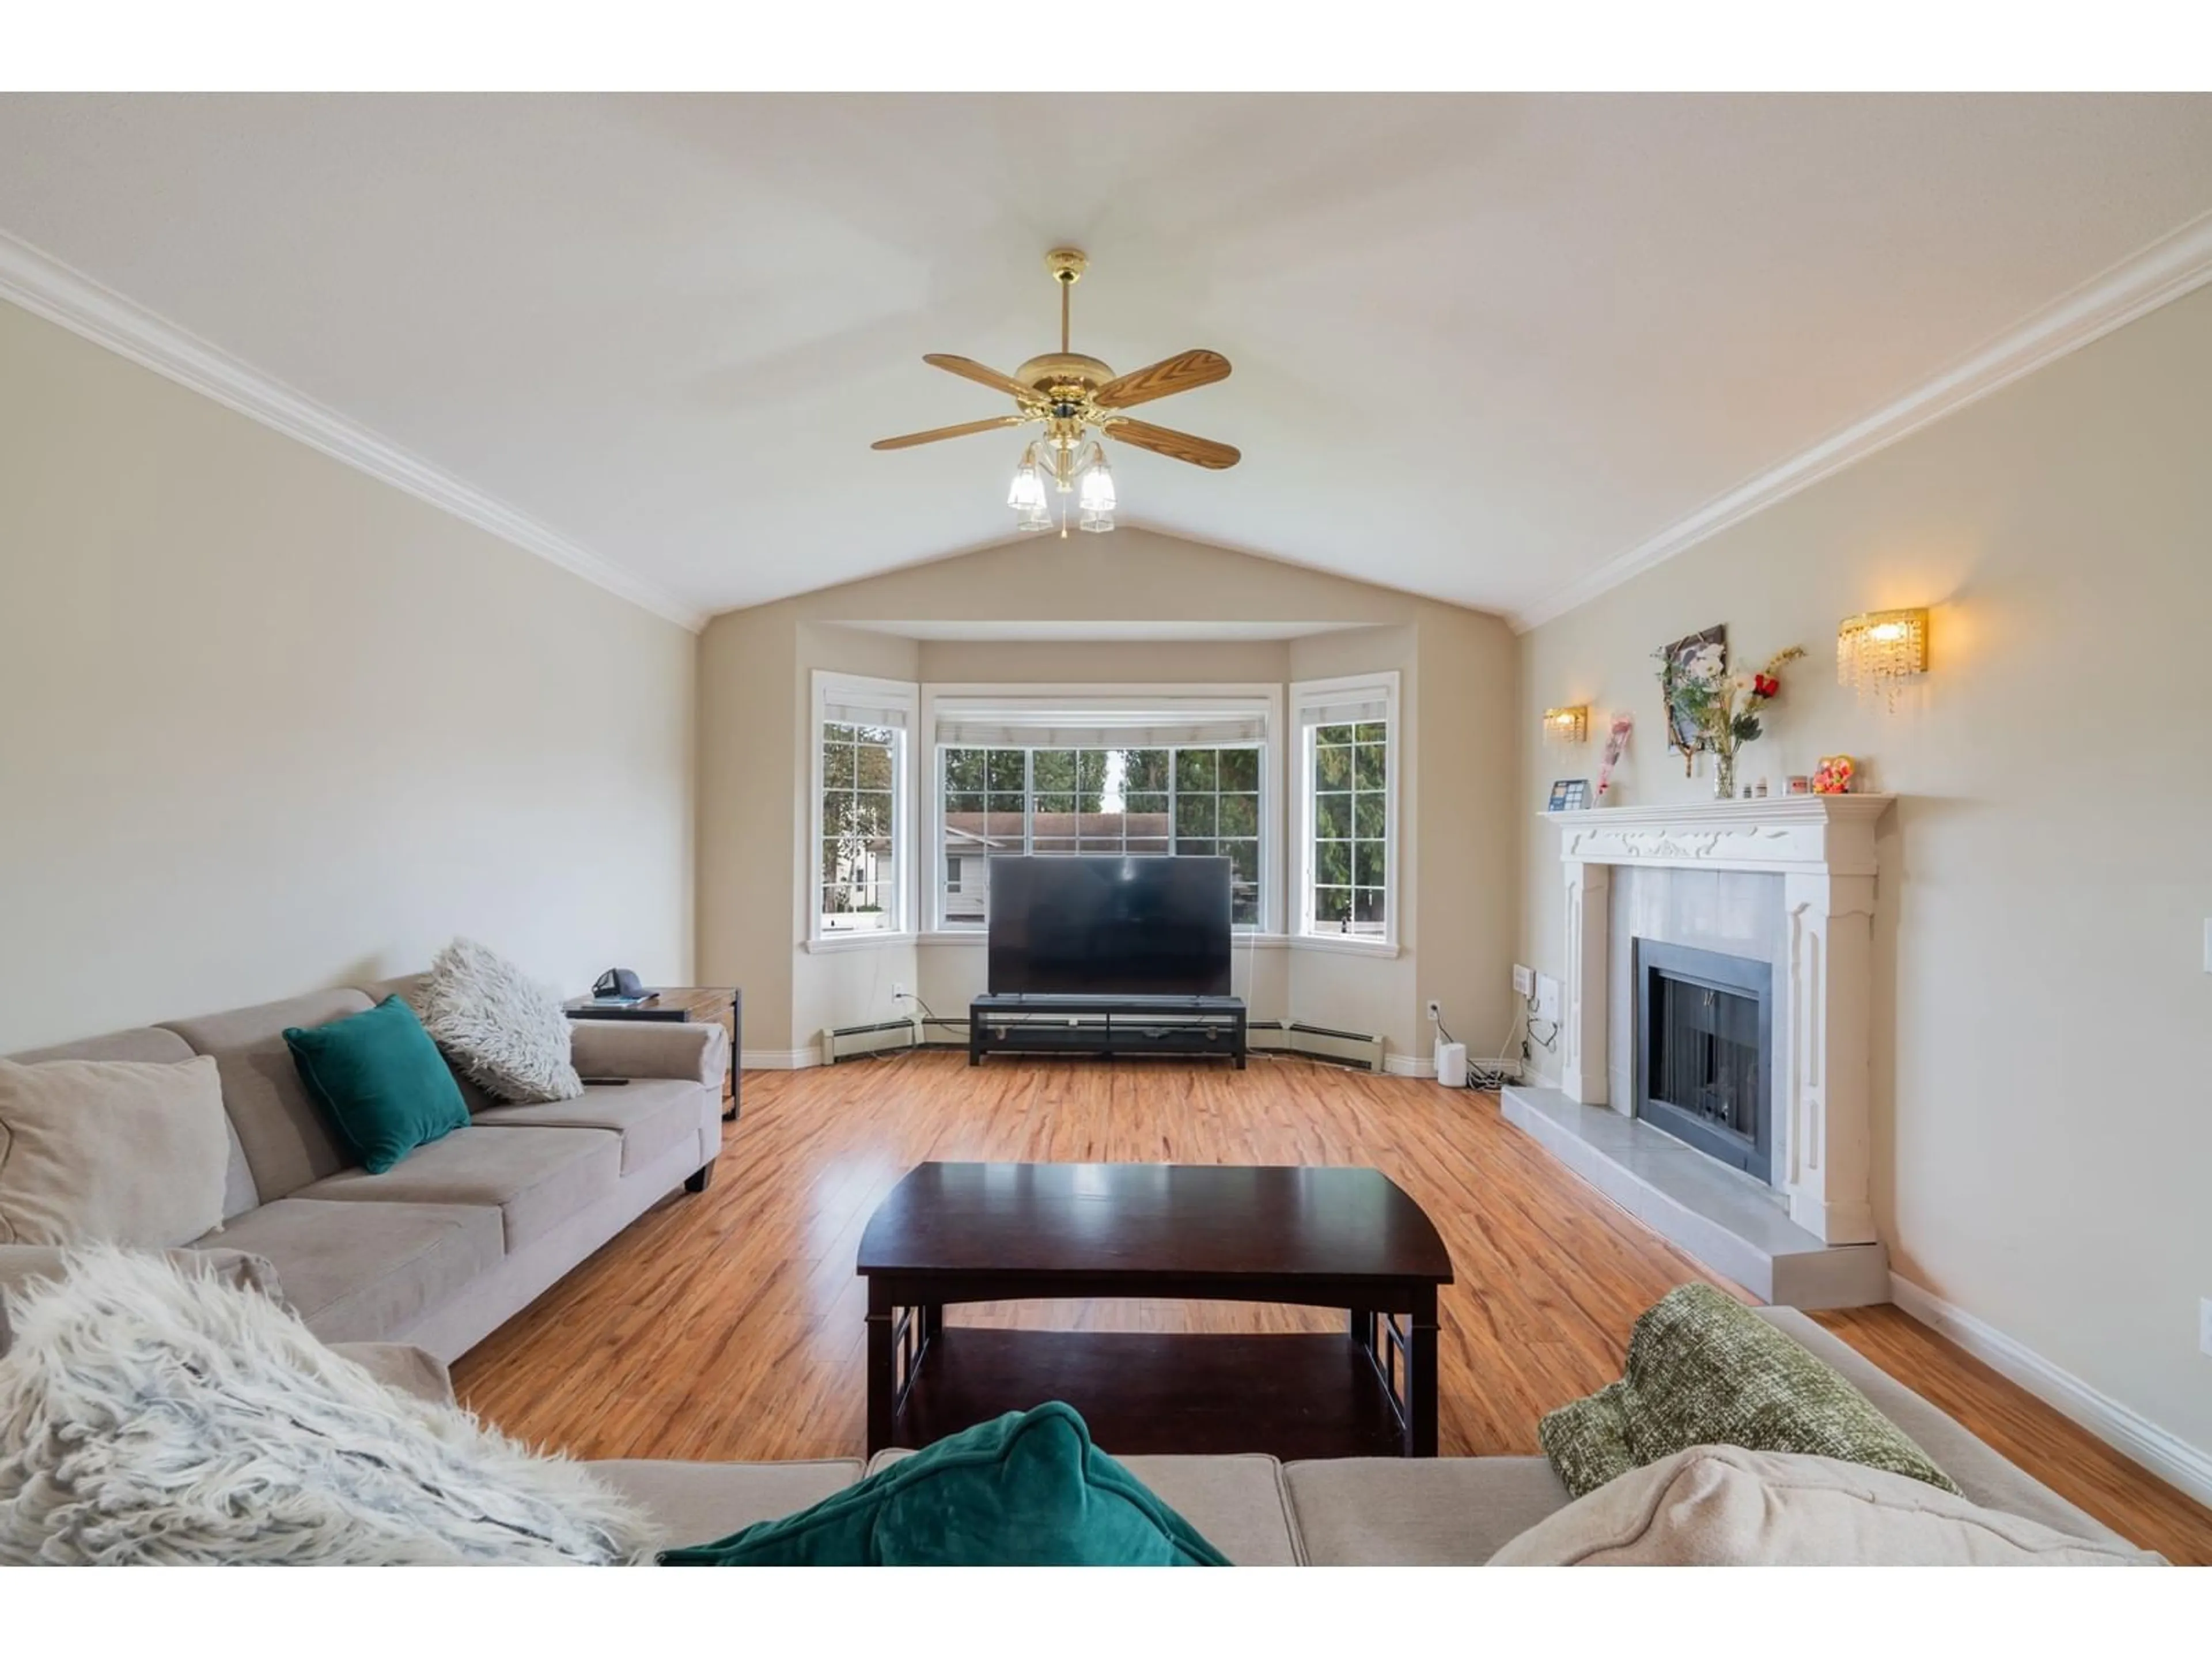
<point>1705,1042</point>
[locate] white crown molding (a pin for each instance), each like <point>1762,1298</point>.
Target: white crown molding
<point>2169,268</point>
<point>46,288</point>
<point>2126,1430</point>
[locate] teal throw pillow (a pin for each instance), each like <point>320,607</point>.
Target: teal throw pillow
<point>381,1081</point>
<point>1025,1490</point>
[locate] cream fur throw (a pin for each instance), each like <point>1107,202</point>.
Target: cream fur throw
<point>504,1031</point>
<point>152,1416</point>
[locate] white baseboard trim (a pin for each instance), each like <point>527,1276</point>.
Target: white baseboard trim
<point>2125,1430</point>
<point>1408,1066</point>
<point>779,1059</point>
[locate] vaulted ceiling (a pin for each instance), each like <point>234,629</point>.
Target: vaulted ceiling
<point>1487,348</point>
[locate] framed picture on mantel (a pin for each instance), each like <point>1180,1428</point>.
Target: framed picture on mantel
<point>1568,795</point>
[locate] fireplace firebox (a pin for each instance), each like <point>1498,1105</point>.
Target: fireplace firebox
<point>1704,1051</point>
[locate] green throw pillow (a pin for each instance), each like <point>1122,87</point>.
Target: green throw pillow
<point>1026,1490</point>
<point>1704,1369</point>
<point>382,1081</point>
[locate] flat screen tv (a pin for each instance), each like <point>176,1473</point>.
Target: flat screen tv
<point>1134,927</point>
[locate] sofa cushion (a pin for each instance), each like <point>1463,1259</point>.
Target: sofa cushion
<point>536,1178</point>
<point>1703,1369</point>
<point>1419,1511</point>
<point>286,1139</point>
<point>711,1500</point>
<point>1981,1471</point>
<point>1725,1506</point>
<point>500,1026</point>
<point>412,1371</point>
<point>117,1151</point>
<point>381,1081</point>
<point>652,1115</point>
<point>1027,1489</point>
<point>1235,1500</point>
<point>361,1272</point>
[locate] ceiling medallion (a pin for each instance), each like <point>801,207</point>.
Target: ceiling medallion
<point>1079,401</point>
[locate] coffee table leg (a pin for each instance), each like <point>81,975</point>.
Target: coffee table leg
<point>883,1374</point>
<point>1363,1329</point>
<point>1421,1377</point>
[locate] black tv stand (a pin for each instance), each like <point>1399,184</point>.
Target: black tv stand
<point>1108,1024</point>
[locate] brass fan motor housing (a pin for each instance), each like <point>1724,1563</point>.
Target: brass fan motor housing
<point>1064,376</point>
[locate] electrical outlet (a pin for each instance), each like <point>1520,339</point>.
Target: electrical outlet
<point>1436,1012</point>
<point>1547,999</point>
<point>898,992</point>
<point>2204,1324</point>
<point>1524,982</point>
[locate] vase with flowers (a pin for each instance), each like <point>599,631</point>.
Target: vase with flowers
<point>1723,708</point>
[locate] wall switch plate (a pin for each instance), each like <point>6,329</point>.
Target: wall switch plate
<point>1525,982</point>
<point>2204,1324</point>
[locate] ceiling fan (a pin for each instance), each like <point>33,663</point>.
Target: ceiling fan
<point>1078,400</point>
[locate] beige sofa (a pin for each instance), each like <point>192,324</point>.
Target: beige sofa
<point>465,1232</point>
<point>1442,1512</point>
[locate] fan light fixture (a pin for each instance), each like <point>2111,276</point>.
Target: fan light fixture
<point>1079,400</point>
<point>1878,650</point>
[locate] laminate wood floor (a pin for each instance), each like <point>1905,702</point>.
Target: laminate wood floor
<point>729,1325</point>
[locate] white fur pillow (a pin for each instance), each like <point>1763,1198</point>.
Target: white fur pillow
<point>150,1415</point>
<point>504,1031</point>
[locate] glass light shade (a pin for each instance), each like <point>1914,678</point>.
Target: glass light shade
<point>1876,651</point>
<point>1093,519</point>
<point>1097,494</point>
<point>1034,516</point>
<point>1026,493</point>
<point>1568,725</point>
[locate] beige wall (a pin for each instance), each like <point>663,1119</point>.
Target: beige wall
<point>2044,1126</point>
<point>752,914</point>
<point>266,724</point>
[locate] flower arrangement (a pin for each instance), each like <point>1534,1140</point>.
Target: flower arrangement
<point>1616,744</point>
<point>1721,707</point>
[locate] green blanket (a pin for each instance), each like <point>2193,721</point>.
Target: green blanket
<point>1704,1369</point>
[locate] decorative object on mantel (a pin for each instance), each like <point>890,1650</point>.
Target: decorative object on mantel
<point>1877,650</point>
<point>1616,745</point>
<point>1833,776</point>
<point>1568,725</point>
<point>1568,795</point>
<point>1721,708</point>
<point>1694,656</point>
<point>1801,783</point>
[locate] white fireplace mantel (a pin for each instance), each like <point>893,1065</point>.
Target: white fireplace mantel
<point>1823,847</point>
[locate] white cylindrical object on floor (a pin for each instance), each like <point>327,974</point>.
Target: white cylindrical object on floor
<point>1451,1065</point>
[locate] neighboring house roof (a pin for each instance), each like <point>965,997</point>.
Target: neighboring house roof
<point>968,827</point>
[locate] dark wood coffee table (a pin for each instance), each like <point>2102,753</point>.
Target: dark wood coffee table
<point>1000,1232</point>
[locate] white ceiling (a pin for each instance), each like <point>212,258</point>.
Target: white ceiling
<point>1484,346</point>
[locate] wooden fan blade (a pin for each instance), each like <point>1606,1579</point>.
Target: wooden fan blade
<point>1175,446</point>
<point>930,437</point>
<point>1182,373</point>
<point>969,370</point>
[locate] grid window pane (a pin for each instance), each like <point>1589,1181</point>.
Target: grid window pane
<point>1143,803</point>
<point>1349,856</point>
<point>858,874</point>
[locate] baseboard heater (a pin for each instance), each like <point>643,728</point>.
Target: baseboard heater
<point>859,1041</point>
<point>1294,1036</point>
<point>1265,1036</point>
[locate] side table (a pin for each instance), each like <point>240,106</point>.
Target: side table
<point>680,1003</point>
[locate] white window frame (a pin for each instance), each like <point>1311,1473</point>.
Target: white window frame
<point>1170,699</point>
<point>1306,697</point>
<point>904,698</point>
